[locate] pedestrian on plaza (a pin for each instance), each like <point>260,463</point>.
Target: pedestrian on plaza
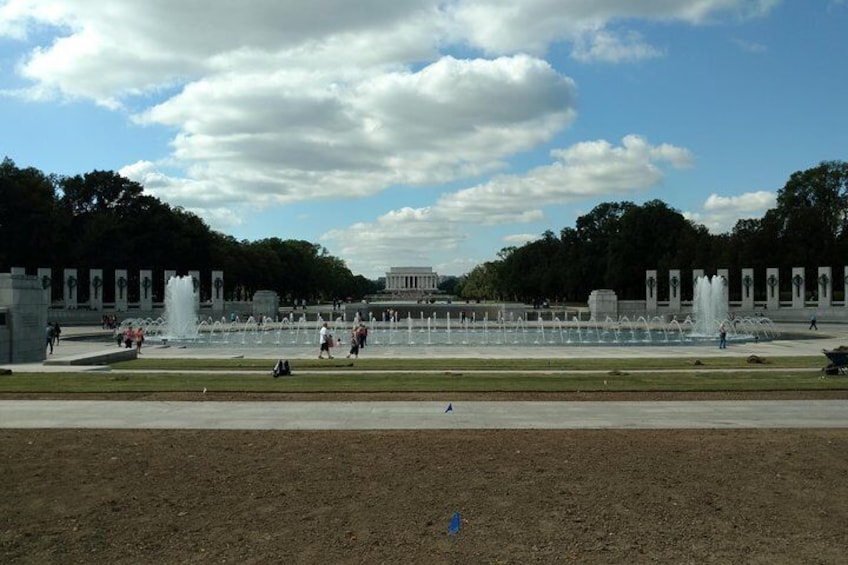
<point>326,339</point>
<point>722,336</point>
<point>139,339</point>
<point>354,344</point>
<point>362,336</point>
<point>129,337</point>
<point>813,325</point>
<point>49,336</point>
<point>56,332</point>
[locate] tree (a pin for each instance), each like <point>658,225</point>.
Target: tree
<point>596,232</point>
<point>648,236</point>
<point>812,215</point>
<point>98,191</point>
<point>479,283</point>
<point>32,228</point>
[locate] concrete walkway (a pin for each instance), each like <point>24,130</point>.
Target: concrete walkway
<point>306,415</point>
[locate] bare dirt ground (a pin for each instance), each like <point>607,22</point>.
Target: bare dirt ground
<point>678,496</point>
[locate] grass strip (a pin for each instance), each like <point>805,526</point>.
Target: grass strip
<point>449,381</point>
<point>466,364</point>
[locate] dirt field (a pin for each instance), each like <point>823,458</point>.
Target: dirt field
<point>681,496</point>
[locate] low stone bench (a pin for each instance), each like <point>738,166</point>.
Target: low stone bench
<point>104,357</point>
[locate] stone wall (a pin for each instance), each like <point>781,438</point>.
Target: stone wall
<point>24,314</point>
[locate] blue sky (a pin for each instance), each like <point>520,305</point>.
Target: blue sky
<point>427,133</point>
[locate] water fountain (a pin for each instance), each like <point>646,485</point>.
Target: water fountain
<point>709,307</point>
<point>709,310</point>
<point>180,309</point>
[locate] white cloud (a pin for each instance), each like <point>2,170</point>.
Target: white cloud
<point>284,101</point>
<point>758,202</point>
<point>505,26</point>
<point>408,233</point>
<point>613,48</point>
<point>307,135</point>
<point>750,46</point>
<point>290,101</point>
<point>519,239</point>
<point>583,171</point>
<point>720,213</point>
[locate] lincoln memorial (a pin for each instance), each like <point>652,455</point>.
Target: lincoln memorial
<point>411,281</point>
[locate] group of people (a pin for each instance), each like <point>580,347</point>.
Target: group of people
<point>358,340</point>
<point>52,334</point>
<point>109,321</point>
<point>129,337</point>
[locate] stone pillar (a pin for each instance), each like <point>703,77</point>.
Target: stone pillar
<point>825,287</point>
<point>845,286</point>
<point>747,290</point>
<point>218,293</point>
<point>674,290</point>
<point>145,290</point>
<point>651,291</point>
<point>169,274</point>
<point>266,303</point>
<point>70,289</point>
<point>45,277</point>
<point>195,279</point>
<point>121,290</point>
<point>95,289</point>
<point>725,277</point>
<point>799,287</point>
<point>772,288</point>
<point>696,274</point>
<point>603,303</point>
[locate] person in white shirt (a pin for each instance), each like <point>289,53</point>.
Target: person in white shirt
<point>326,339</point>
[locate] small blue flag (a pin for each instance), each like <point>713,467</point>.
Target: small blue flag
<point>449,408</point>
<point>453,527</point>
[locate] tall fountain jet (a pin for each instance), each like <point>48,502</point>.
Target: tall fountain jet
<point>709,307</point>
<point>180,310</point>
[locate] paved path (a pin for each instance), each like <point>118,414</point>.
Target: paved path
<point>422,415</point>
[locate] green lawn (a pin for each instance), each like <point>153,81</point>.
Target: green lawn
<point>444,364</point>
<point>437,375</point>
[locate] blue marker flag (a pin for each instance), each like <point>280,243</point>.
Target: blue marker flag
<point>453,527</point>
<point>449,408</point>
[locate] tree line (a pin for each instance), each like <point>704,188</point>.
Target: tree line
<point>613,245</point>
<point>102,220</point>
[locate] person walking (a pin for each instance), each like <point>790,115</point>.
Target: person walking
<point>139,339</point>
<point>57,330</point>
<point>813,325</point>
<point>354,344</point>
<point>129,337</point>
<point>49,335</point>
<point>326,338</point>
<point>362,335</point>
<point>722,336</point>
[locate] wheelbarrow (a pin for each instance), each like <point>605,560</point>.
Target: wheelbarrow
<point>838,362</point>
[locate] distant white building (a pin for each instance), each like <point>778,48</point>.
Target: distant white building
<point>411,281</point>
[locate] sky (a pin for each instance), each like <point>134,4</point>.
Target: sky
<point>427,133</point>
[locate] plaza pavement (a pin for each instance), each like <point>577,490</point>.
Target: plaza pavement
<point>302,415</point>
<point>801,342</point>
